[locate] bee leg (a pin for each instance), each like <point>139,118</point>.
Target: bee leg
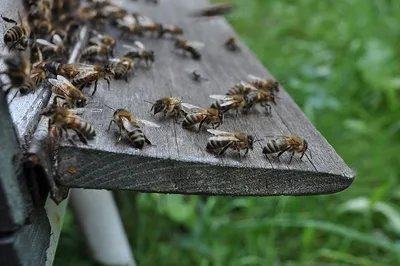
<point>80,136</point>
<point>201,124</point>
<point>279,154</point>
<point>67,136</point>
<point>291,157</point>
<point>95,87</point>
<point>247,151</point>
<point>147,140</point>
<point>108,83</point>
<point>109,125</point>
<point>225,148</point>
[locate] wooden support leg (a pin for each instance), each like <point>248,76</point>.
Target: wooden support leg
<point>99,218</point>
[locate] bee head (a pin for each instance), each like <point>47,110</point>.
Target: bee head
<point>158,106</point>
<point>81,102</point>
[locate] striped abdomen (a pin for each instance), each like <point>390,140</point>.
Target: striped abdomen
<point>217,105</point>
<point>137,137</point>
<point>83,126</point>
<point>238,89</point>
<point>217,144</point>
<point>192,119</point>
<point>13,35</point>
<point>78,82</point>
<point>121,70</point>
<point>274,146</point>
<point>89,51</point>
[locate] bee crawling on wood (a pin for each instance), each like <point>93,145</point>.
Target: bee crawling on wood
<point>171,30</point>
<point>292,144</point>
<point>57,68</point>
<point>127,122</point>
<point>49,49</point>
<point>168,105</point>
<point>64,90</point>
<point>201,116</point>
<point>267,84</point>
<point>91,73</point>
<point>232,44</point>
<point>140,52</point>
<point>18,68</point>
<point>121,67</point>
<point>17,35</point>
<point>225,103</point>
<point>190,47</point>
<point>219,9</point>
<point>106,42</point>
<point>64,119</point>
<point>221,141</point>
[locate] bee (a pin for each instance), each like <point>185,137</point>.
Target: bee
<point>67,70</point>
<point>215,10</point>
<point>127,122</point>
<point>152,28</point>
<point>53,49</point>
<point>264,84</point>
<point>241,88</point>
<point>232,44</point>
<point>128,25</point>
<point>17,34</point>
<point>171,30</point>
<point>168,105</point>
<point>100,39</point>
<point>225,103</point>
<point>43,27</point>
<point>63,119</point>
<point>66,91</point>
<point>96,50</point>
<point>91,74</point>
<point>292,144</point>
<point>36,56</point>
<point>260,97</point>
<point>40,10</point>
<point>28,87</point>
<point>140,52</point>
<point>121,68</point>
<point>208,116</point>
<point>189,47</point>
<point>196,76</point>
<point>18,68</point>
<point>38,75</point>
<point>224,140</point>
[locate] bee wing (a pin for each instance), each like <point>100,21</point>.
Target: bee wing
<point>46,43</point>
<point>248,85</point>
<point>129,47</point>
<point>192,107</point>
<point>139,45</point>
<point>148,123</point>
<point>58,40</point>
<point>64,80</point>
<point>114,60</point>
<point>227,103</point>
<point>144,21</point>
<point>127,124</point>
<point>220,97</point>
<point>83,67</point>
<point>252,77</point>
<point>195,44</point>
<point>218,132</point>
<point>223,138</point>
<point>85,74</point>
<point>60,85</point>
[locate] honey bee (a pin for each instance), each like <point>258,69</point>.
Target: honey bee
<point>292,144</point>
<point>225,103</point>
<point>92,51</point>
<point>100,39</point>
<point>221,141</point>
<point>121,68</point>
<point>140,52</point>
<point>37,77</point>
<point>171,30</point>
<point>53,49</point>
<point>267,84</point>
<point>168,105</point>
<point>189,47</point>
<point>241,88</point>
<point>17,34</point>
<point>127,122</point>
<point>28,87</point>
<point>63,119</point>
<point>40,10</point>
<point>260,97</point>
<point>18,68</point>
<point>215,10</point>
<point>66,91</point>
<point>128,25</point>
<point>67,70</point>
<point>43,27</point>
<point>89,74</point>
<point>232,44</point>
<point>208,116</point>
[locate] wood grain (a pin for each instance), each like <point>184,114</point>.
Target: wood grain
<point>178,161</point>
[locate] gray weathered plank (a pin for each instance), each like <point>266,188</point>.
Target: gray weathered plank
<point>178,163</point>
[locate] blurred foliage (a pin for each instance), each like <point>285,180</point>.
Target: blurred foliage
<point>340,62</point>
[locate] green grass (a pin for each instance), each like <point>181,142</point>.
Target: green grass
<point>340,61</point>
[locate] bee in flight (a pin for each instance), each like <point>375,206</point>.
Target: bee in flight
<point>140,52</point>
<point>232,44</point>
<point>89,74</point>
<point>190,47</point>
<point>17,34</point>
<point>218,9</point>
<point>127,122</point>
<point>292,144</point>
<point>267,84</point>
<point>168,105</point>
<point>221,141</point>
<point>18,68</point>
<point>201,116</point>
<point>64,90</point>
<point>64,119</point>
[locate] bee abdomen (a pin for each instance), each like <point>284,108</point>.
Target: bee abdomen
<point>274,146</point>
<point>91,50</point>
<point>120,70</point>
<point>137,138</point>
<point>13,34</point>
<point>213,144</point>
<point>190,120</point>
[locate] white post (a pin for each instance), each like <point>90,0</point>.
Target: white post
<point>99,218</point>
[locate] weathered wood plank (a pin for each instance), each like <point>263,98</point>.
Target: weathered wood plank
<point>178,163</point>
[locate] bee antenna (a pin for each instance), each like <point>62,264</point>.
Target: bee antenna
<point>258,140</point>
<point>109,107</point>
<point>148,102</point>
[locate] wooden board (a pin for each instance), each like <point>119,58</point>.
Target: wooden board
<point>178,162</point>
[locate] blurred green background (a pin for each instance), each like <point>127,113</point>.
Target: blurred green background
<point>340,61</point>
